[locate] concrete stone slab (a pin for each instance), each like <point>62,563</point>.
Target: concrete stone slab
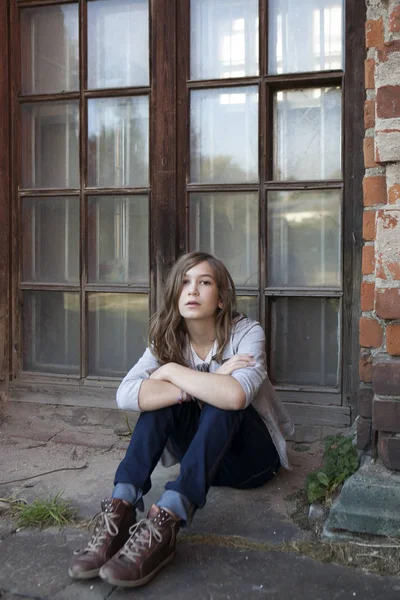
<point>90,440</point>
<point>369,503</point>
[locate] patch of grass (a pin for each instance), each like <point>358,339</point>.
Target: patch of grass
<point>340,461</point>
<point>42,513</point>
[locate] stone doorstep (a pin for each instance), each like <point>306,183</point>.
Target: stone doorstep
<point>368,504</point>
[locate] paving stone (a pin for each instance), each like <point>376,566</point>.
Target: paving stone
<point>90,440</point>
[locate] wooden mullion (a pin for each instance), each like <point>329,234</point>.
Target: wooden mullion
<point>39,3</point>
<point>46,192</point>
<point>83,44</point>
<point>163,120</point>
<point>44,98</point>
<point>303,292</point>
<point>353,171</point>
<point>5,174</point>
<point>223,83</point>
<point>223,187</point>
<point>262,159</point>
<point>183,123</point>
<point>116,288</point>
<point>91,191</point>
<point>304,185</point>
<point>15,247</point>
<point>303,80</point>
<point>117,92</point>
<point>49,286</point>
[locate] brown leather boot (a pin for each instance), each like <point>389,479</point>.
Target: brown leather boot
<point>150,547</point>
<point>111,531</point>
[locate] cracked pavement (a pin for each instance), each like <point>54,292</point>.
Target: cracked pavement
<point>82,449</point>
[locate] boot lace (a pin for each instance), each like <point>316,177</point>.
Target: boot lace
<point>104,525</point>
<point>141,536</point>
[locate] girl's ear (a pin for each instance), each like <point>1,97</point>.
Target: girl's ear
<point>220,304</point>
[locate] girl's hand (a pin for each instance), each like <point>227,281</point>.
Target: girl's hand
<point>161,373</point>
<point>239,361</point>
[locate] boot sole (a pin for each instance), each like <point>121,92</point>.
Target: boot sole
<point>84,575</point>
<point>137,582</point>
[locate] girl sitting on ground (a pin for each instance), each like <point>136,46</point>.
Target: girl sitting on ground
<point>206,402</point>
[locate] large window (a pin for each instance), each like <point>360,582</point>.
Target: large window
<point>264,94</point>
<point>147,128</point>
<point>84,186</point>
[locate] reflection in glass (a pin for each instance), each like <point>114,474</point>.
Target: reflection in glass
<point>307,134</point>
<point>118,142</point>
<point>50,145</point>
<point>50,239</point>
<point>304,244</point>
<point>306,355</point>
<point>305,36</point>
<point>118,239</point>
<point>51,332</point>
<point>224,38</point>
<point>118,325</point>
<point>224,135</point>
<point>226,224</point>
<point>248,305</point>
<point>50,49</point>
<point>118,43</point>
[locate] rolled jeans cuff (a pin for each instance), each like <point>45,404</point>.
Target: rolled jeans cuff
<point>128,492</point>
<point>179,505</point>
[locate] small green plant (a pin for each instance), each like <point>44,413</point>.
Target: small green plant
<point>340,461</point>
<point>43,513</point>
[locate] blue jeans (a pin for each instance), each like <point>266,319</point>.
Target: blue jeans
<point>213,446</point>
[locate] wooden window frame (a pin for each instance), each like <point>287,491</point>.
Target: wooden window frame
<point>168,190</point>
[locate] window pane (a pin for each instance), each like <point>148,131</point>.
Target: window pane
<point>50,239</point>
<point>307,134</point>
<point>118,239</point>
<point>248,305</point>
<point>118,325</point>
<point>305,36</point>
<point>224,38</point>
<point>50,49</point>
<point>304,242</point>
<point>118,142</point>
<point>50,145</point>
<point>118,43</point>
<point>51,332</point>
<point>226,224</point>
<point>224,135</point>
<point>306,341</point>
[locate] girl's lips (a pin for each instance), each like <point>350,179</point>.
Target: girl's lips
<point>192,304</point>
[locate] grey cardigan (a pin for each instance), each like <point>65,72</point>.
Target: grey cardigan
<point>247,336</point>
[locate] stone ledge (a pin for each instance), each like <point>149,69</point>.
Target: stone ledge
<point>368,504</point>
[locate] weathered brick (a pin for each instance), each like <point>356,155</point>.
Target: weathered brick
<point>393,339</point>
<point>365,366</point>
<point>369,153</point>
<point>370,74</point>
<point>387,146</point>
<point>388,101</point>
<point>364,402</point>
<point>371,335</point>
<point>394,193</point>
<point>367,295</point>
<point>369,114</point>
<point>368,260</point>
<point>374,189</point>
<point>386,376</point>
<point>374,33</point>
<point>389,450</point>
<point>387,49</point>
<point>369,225</point>
<point>386,415</point>
<point>394,20</point>
<point>387,303</point>
<point>364,429</point>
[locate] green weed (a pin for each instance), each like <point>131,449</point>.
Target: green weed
<point>43,512</point>
<point>340,461</point>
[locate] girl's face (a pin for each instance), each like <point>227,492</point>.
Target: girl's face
<point>199,298</point>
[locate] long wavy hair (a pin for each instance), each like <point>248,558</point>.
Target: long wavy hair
<point>167,332</point>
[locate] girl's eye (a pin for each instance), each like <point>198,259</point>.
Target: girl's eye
<point>206,282</point>
<point>185,281</point>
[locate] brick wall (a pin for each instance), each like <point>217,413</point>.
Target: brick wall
<point>379,393</point>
